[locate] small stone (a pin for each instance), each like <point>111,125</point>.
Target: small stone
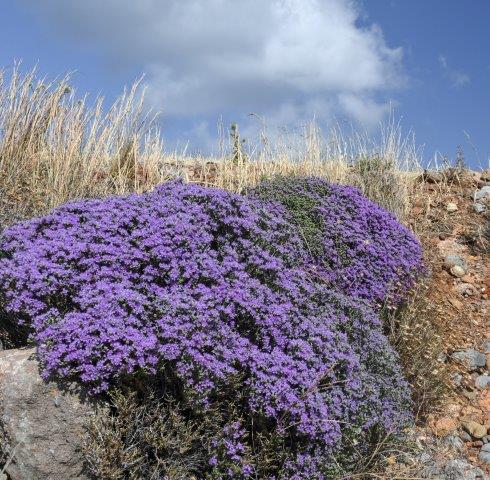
<point>457,271</point>
<point>484,404</point>
<point>482,193</point>
<point>456,378</point>
<point>475,429</point>
<point>486,448</point>
<point>484,456</point>
<point>455,442</point>
<point>461,470</point>
<point>452,260</point>
<point>482,382</point>
<point>486,346</point>
<point>465,289</point>
<point>451,207</point>
<point>471,358</point>
<point>456,303</point>
<point>465,436</point>
<point>416,211</point>
<point>479,207</point>
<point>478,444</point>
<point>425,457</point>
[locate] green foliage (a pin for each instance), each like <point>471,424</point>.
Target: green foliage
<point>373,165</point>
<point>146,433</point>
<point>301,206</point>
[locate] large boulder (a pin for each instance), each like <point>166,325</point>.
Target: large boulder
<point>42,425</point>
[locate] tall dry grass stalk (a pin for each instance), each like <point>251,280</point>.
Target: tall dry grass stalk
<point>56,146</point>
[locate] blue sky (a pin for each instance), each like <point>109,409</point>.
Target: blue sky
<point>284,59</point>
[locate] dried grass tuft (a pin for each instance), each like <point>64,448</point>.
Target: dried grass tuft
<point>57,146</point>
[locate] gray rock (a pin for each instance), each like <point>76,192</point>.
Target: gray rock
<point>486,346</point>
<point>42,427</point>
<point>486,448</point>
<point>454,442</point>
<point>482,382</point>
<point>452,260</point>
<point>479,207</point>
<point>425,457</point>
<point>483,193</point>
<point>441,357</point>
<point>466,437</point>
<point>484,456</point>
<point>470,358</point>
<point>462,470</point>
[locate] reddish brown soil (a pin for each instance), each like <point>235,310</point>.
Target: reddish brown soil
<point>461,306</point>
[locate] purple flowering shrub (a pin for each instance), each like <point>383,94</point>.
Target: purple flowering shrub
<point>208,290</point>
<point>356,246</point>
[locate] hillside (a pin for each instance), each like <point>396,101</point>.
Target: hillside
<point>455,231</point>
<point>316,306</point>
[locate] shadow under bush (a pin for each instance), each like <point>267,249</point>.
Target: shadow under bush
<point>11,334</point>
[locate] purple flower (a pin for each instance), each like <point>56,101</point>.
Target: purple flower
<point>357,247</point>
<point>213,286</point>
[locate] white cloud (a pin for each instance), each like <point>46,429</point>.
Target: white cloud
<point>285,59</point>
<point>365,110</point>
<point>455,77</point>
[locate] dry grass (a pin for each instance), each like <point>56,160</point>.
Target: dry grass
<point>419,343</point>
<point>56,146</point>
<point>145,440</point>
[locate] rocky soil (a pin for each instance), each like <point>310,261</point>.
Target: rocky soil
<point>452,216</point>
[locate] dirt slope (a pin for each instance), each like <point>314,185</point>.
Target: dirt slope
<point>455,232</point>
